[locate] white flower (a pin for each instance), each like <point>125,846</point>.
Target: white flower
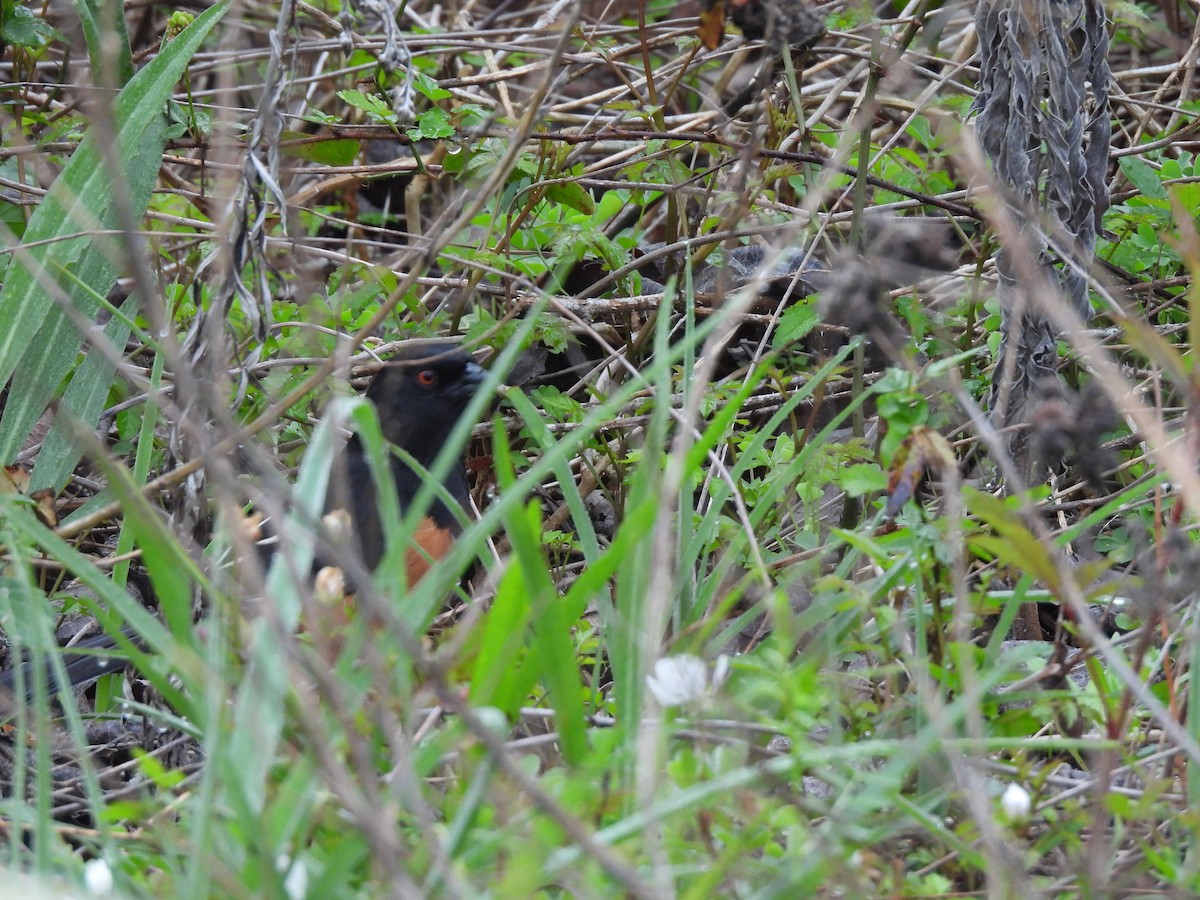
<point>1016,803</point>
<point>97,877</point>
<point>684,679</point>
<point>295,881</point>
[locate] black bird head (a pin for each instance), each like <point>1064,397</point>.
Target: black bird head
<point>421,393</point>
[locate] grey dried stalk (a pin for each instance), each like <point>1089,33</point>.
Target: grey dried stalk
<point>1044,124</point>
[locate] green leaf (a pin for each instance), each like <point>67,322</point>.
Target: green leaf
<point>374,107</point>
<point>862,479</point>
<point>103,23</point>
<point>552,619</point>
<point>336,152</point>
<point>431,125</point>
<point>430,88</point>
<point>85,397</point>
<point>503,674</point>
<point>258,709</point>
<point>571,194</point>
<point>795,323</point>
<point>556,405</point>
<point>1012,543</point>
<point>1143,177</point>
<point>152,768</point>
<point>25,29</point>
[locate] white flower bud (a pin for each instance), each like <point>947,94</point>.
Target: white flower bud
<point>97,877</point>
<point>1016,803</point>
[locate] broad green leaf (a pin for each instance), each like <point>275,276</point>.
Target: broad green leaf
<point>430,88</point>
<point>23,28</point>
<point>503,675</point>
<point>85,397</point>
<point>62,247</point>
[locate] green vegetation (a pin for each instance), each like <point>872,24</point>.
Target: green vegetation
<point>757,601</point>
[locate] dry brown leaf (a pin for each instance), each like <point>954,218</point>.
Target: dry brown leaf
<point>712,26</point>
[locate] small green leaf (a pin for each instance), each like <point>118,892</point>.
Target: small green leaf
<point>159,774</point>
<point>335,152</point>
<point>455,161</point>
<point>374,107</point>
<point>556,405</point>
<point>1143,177</point>
<point>431,125</point>
<point>430,88</point>
<point>320,118</point>
<point>25,29</point>
<point>862,479</point>
<point>795,323</point>
<point>568,193</point>
<point>472,115</point>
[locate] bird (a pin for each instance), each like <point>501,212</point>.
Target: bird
<point>420,394</point>
<point>420,397</point>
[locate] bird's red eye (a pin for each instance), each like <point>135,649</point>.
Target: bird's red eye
<point>427,378</point>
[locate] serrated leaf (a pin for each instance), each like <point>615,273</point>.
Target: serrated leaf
<point>554,403</point>
<point>795,323</point>
<point>428,87</point>
<point>374,107</point>
<point>1143,177</point>
<point>25,29</point>
<point>432,124</point>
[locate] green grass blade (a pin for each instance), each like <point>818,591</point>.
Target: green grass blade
<point>103,23</point>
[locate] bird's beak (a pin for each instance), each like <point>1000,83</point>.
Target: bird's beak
<point>473,376</point>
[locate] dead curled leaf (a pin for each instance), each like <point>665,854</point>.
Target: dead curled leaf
<point>712,25</point>
<point>15,480</point>
<point>924,450</point>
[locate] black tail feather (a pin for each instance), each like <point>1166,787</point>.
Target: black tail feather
<point>83,663</point>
